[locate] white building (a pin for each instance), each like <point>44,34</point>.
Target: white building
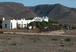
<point>14,24</point>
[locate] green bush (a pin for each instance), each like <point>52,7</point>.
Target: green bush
<point>62,45</point>
<point>14,44</point>
<point>54,39</point>
<point>43,24</point>
<point>67,39</point>
<point>1,32</point>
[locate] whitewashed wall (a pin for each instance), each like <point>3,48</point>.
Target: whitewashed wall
<point>12,24</point>
<point>6,22</point>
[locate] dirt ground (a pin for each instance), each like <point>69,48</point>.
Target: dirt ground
<point>37,43</point>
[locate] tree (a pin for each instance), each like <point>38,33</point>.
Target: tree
<point>43,24</point>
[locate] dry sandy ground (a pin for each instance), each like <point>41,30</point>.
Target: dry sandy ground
<point>59,32</point>
<point>37,42</point>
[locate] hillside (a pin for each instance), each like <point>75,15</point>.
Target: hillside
<point>14,10</point>
<point>57,12</point>
<point>63,14</point>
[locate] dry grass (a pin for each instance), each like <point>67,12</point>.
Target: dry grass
<point>36,43</point>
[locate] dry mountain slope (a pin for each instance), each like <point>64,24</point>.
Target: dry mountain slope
<point>15,10</point>
<point>58,12</point>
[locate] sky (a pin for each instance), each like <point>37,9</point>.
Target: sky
<point>68,3</point>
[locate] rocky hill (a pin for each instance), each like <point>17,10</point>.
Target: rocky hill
<point>63,14</point>
<point>14,10</point>
<point>57,12</point>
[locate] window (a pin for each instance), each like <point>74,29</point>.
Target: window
<point>11,25</point>
<point>25,25</point>
<point>5,25</point>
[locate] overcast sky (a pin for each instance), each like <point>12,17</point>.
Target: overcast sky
<point>68,3</point>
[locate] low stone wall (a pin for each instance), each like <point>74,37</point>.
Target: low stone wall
<point>21,30</point>
<point>70,32</point>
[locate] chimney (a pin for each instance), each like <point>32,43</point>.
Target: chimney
<point>3,19</point>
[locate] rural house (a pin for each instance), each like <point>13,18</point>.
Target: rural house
<point>14,24</point>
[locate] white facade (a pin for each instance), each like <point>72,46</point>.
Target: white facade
<point>13,24</point>
<point>41,19</point>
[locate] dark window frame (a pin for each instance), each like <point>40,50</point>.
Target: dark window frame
<point>5,25</point>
